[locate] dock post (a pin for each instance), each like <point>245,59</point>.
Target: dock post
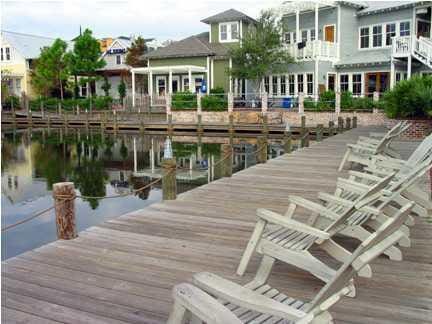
<point>331,130</point>
<point>227,162</point>
<point>348,123</point>
<point>265,129</point>
<point>319,132</point>
<point>115,121</point>
<point>287,142</point>
<point>169,184</point>
<point>340,125</point>
<point>30,118</point>
<point>303,131</point>
<point>231,124</point>
<point>304,141</point>
<point>199,125</point>
<point>354,122</point>
<point>59,107</point>
<point>170,125</point>
<point>64,201</point>
<point>262,149</point>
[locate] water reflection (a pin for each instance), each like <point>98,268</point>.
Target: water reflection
<point>99,165</point>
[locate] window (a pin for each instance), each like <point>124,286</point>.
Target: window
<point>275,85</point>
<point>404,28</point>
<point>309,80</point>
<point>291,81</point>
<point>299,83</point>
<point>364,37</point>
<point>229,32</point>
<point>377,36</point>
<point>390,32</point>
<point>312,34</point>
<point>118,59</point>
<point>304,35</point>
<point>331,82</point>
<point>283,85</point>
<point>7,54</point>
<point>266,84</point>
<point>357,84</point>
<point>198,83</point>
<point>84,90</point>
<point>287,38</point>
<point>18,86</point>
<point>161,86</point>
<point>2,54</point>
<point>344,82</point>
<point>185,83</point>
<point>401,76</point>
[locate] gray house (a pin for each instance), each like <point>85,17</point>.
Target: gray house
<point>362,47</point>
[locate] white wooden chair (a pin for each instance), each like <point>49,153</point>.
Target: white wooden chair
<point>296,238</point>
<point>215,300</point>
<point>363,151</point>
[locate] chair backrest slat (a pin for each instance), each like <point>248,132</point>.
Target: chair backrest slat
<point>396,131</point>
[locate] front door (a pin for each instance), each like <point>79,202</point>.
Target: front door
<point>377,82</point>
<point>329,33</point>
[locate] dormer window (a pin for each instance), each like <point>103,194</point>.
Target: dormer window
<point>229,32</point>
<point>118,59</point>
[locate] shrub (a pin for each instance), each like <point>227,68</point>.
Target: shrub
<point>11,101</point>
<point>184,100</point>
<point>104,102</point>
<point>346,100</point>
<point>215,101</point>
<point>326,101</point>
<point>309,104</point>
<point>362,103</point>
<point>410,98</point>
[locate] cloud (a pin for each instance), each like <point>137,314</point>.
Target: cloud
<point>163,19</point>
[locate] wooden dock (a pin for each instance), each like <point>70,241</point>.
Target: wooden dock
<point>122,271</point>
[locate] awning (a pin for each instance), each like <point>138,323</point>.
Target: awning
<point>168,69</point>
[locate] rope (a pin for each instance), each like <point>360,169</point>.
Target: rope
<point>27,219</point>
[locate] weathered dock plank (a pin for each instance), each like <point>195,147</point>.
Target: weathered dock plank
<point>122,271</point>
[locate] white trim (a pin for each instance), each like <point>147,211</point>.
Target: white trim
<point>229,34</point>
<point>230,77</point>
<point>338,30</point>
<point>208,75</point>
<point>323,33</point>
<point>212,72</point>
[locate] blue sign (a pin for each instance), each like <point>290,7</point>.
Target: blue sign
<point>203,86</point>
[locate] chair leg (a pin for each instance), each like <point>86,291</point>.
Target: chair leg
<point>345,159</point>
<point>405,241</point>
<point>178,314</point>
<point>251,246</point>
<point>362,234</point>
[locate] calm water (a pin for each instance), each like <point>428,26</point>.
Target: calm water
<point>99,165</point>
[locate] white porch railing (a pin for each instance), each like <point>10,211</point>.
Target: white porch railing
<point>314,49</point>
<point>423,50</point>
<point>401,46</point>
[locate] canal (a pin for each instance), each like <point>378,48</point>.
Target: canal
<point>99,165</point>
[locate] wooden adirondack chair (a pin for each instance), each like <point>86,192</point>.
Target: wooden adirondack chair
<point>369,218</point>
<point>296,238</point>
<point>362,152</point>
<point>216,300</point>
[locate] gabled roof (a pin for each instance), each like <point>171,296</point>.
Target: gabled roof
<point>29,46</point>
<point>228,15</point>
<point>193,46</point>
<point>375,7</point>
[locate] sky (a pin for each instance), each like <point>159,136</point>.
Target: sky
<point>160,19</point>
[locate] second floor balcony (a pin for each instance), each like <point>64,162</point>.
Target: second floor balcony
<point>311,50</point>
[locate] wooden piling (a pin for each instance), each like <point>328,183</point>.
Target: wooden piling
<point>231,124</point>
<point>262,149</point>
<point>348,123</point>
<point>331,130</point>
<point>30,118</point>
<point>319,132</point>
<point>265,129</point>
<point>354,122</point>
<point>169,184</point>
<point>64,201</point>
<point>227,151</point>
<point>340,125</point>
<point>287,142</point>
<point>199,124</point>
<point>170,125</point>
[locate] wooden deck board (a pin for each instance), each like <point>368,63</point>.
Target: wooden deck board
<point>122,271</point>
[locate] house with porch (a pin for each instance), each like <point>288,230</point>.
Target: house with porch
<point>361,47</point>
<point>203,58</point>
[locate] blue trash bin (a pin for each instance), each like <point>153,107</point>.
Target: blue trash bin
<point>286,103</point>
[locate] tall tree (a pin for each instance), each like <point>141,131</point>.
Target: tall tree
<point>135,52</point>
<point>85,58</point>
<point>51,69</point>
<point>261,52</point>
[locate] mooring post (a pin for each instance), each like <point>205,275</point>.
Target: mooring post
<point>287,142</point>
<point>348,123</point>
<point>169,184</point>
<point>265,129</point>
<point>331,128</point>
<point>354,122</point>
<point>115,120</point>
<point>304,141</point>
<point>262,149</point>
<point>30,117</point>
<point>227,160</point>
<point>64,202</point>
<point>231,124</point>
<point>200,129</point>
<point>303,131</point>
<point>340,125</point>
<point>319,132</point>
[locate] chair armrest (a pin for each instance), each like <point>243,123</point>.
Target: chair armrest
<point>359,147</point>
<point>290,223</point>
<point>377,134</point>
<point>366,176</point>
<point>244,297</point>
<point>201,305</point>
<point>368,139</point>
<point>346,203</point>
<point>313,206</point>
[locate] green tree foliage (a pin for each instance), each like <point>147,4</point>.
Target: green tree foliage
<point>85,58</point>
<point>135,52</point>
<point>262,51</point>
<point>106,86</point>
<point>51,69</point>
<point>410,98</point>
<point>122,90</point>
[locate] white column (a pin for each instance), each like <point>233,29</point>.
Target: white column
<point>208,74</point>
<point>297,33</point>
<point>135,156</point>
<point>133,88</point>
<point>317,53</point>
<point>316,20</point>
<point>152,159</point>
<point>212,73</point>
<point>170,81</point>
<point>315,80</point>
<point>392,73</point>
<point>151,86</point>
<point>338,30</point>
<point>409,67</point>
<point>230,78</point>
<point>190,79</point>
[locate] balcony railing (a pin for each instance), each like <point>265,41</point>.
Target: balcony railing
<point>401,46</point>
<point>323,50</point>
